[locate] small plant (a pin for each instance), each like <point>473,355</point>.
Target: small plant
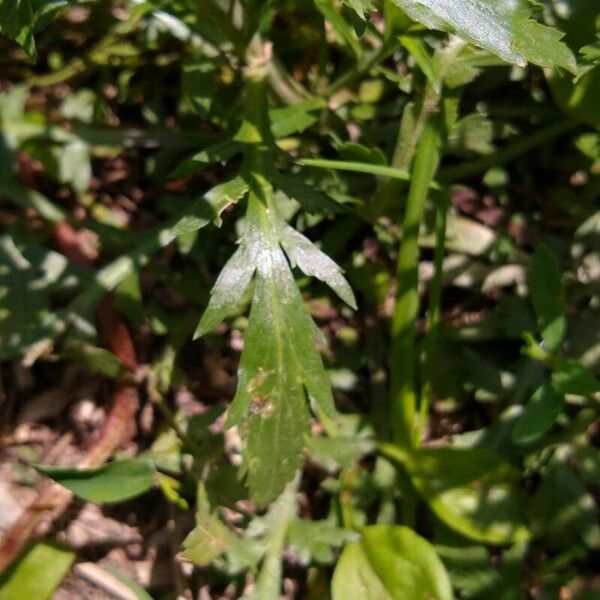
<point>180,178</point>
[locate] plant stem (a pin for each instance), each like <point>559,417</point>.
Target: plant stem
<point>402,360</point>
<point>413,122</point>
<point>280,514</point>
<point>434,313</point>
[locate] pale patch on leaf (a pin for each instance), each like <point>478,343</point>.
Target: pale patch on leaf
<point>225,295</point>
<point>500,26</point>
<point>280,363</point>
<point>311,261</point>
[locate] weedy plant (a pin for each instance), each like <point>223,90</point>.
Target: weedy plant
<point>411,141</point>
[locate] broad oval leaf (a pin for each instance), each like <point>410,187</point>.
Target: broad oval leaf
<point>571,377</point>
<point>37,572</point>
<point>113,482</point>
<point>391,562</point>
<point>539,415</point>
<point>472,490</point>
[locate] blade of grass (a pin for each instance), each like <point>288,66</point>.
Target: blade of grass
<point>402,360</point>
<point>358,167</point>
<point>434,313</point>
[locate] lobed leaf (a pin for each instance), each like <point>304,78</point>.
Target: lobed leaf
<point>311,261</point>
<point>280,361</point>
<point>503,27</point>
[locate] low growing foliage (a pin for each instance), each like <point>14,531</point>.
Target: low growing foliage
<point>335,264</point>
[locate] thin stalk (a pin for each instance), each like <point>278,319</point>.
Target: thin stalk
<point>81,63</point>
<point>402,364</point>
<point>280,514</point>
<point>434,313</point>
<point>358,167</point>
<point>413,122</point>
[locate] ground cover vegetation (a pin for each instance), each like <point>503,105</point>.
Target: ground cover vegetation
<point>299,298</point>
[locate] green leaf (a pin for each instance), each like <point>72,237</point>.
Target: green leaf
<point>390,562</point>
<point>339,451</point>
<point>539,415</point>
<point>312,199</point>
<point>547,297</point>
<point>479,575</point>
<point>313,541</point>
<point>196,215</point>
<point>23,296</point>
<point>280,359</point>
<point>136,589</point>
<point>340,25</point>
<point>210,537</point>
<point>418,51</point>
<point>571,377</point>
<point>199,85</point>
<point>16,22</point>
<point>472,490</point>
<point>500,26</point>
<point>563,510</point>
<point>94,359</point>
<point>590,58</point>
<point>295,118</point>
<point>217,153</point>
<point>361,7</point>
<point>228,289</point>
<point>74,166</point>
<point>303,254</point>
<point>277,520</point>
<point>37,572</point>
<point>359,167</point>
<point>114,482</point>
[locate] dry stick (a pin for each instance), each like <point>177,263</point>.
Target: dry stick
<point>118,426</point>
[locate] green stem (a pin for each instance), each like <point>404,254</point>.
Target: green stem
<point>402,362</point>
<point>255,132</point>
<point>268,582</point>
<point>434,313</point>
<point>413,122</point>
<point>80,64</point>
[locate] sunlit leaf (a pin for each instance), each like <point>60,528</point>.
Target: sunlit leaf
<point>37,572</point>
<point>280,361</point>
<point>114,482</point>
<point>472,490</point>
<point>390,562</point>
<point>503,27</point>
